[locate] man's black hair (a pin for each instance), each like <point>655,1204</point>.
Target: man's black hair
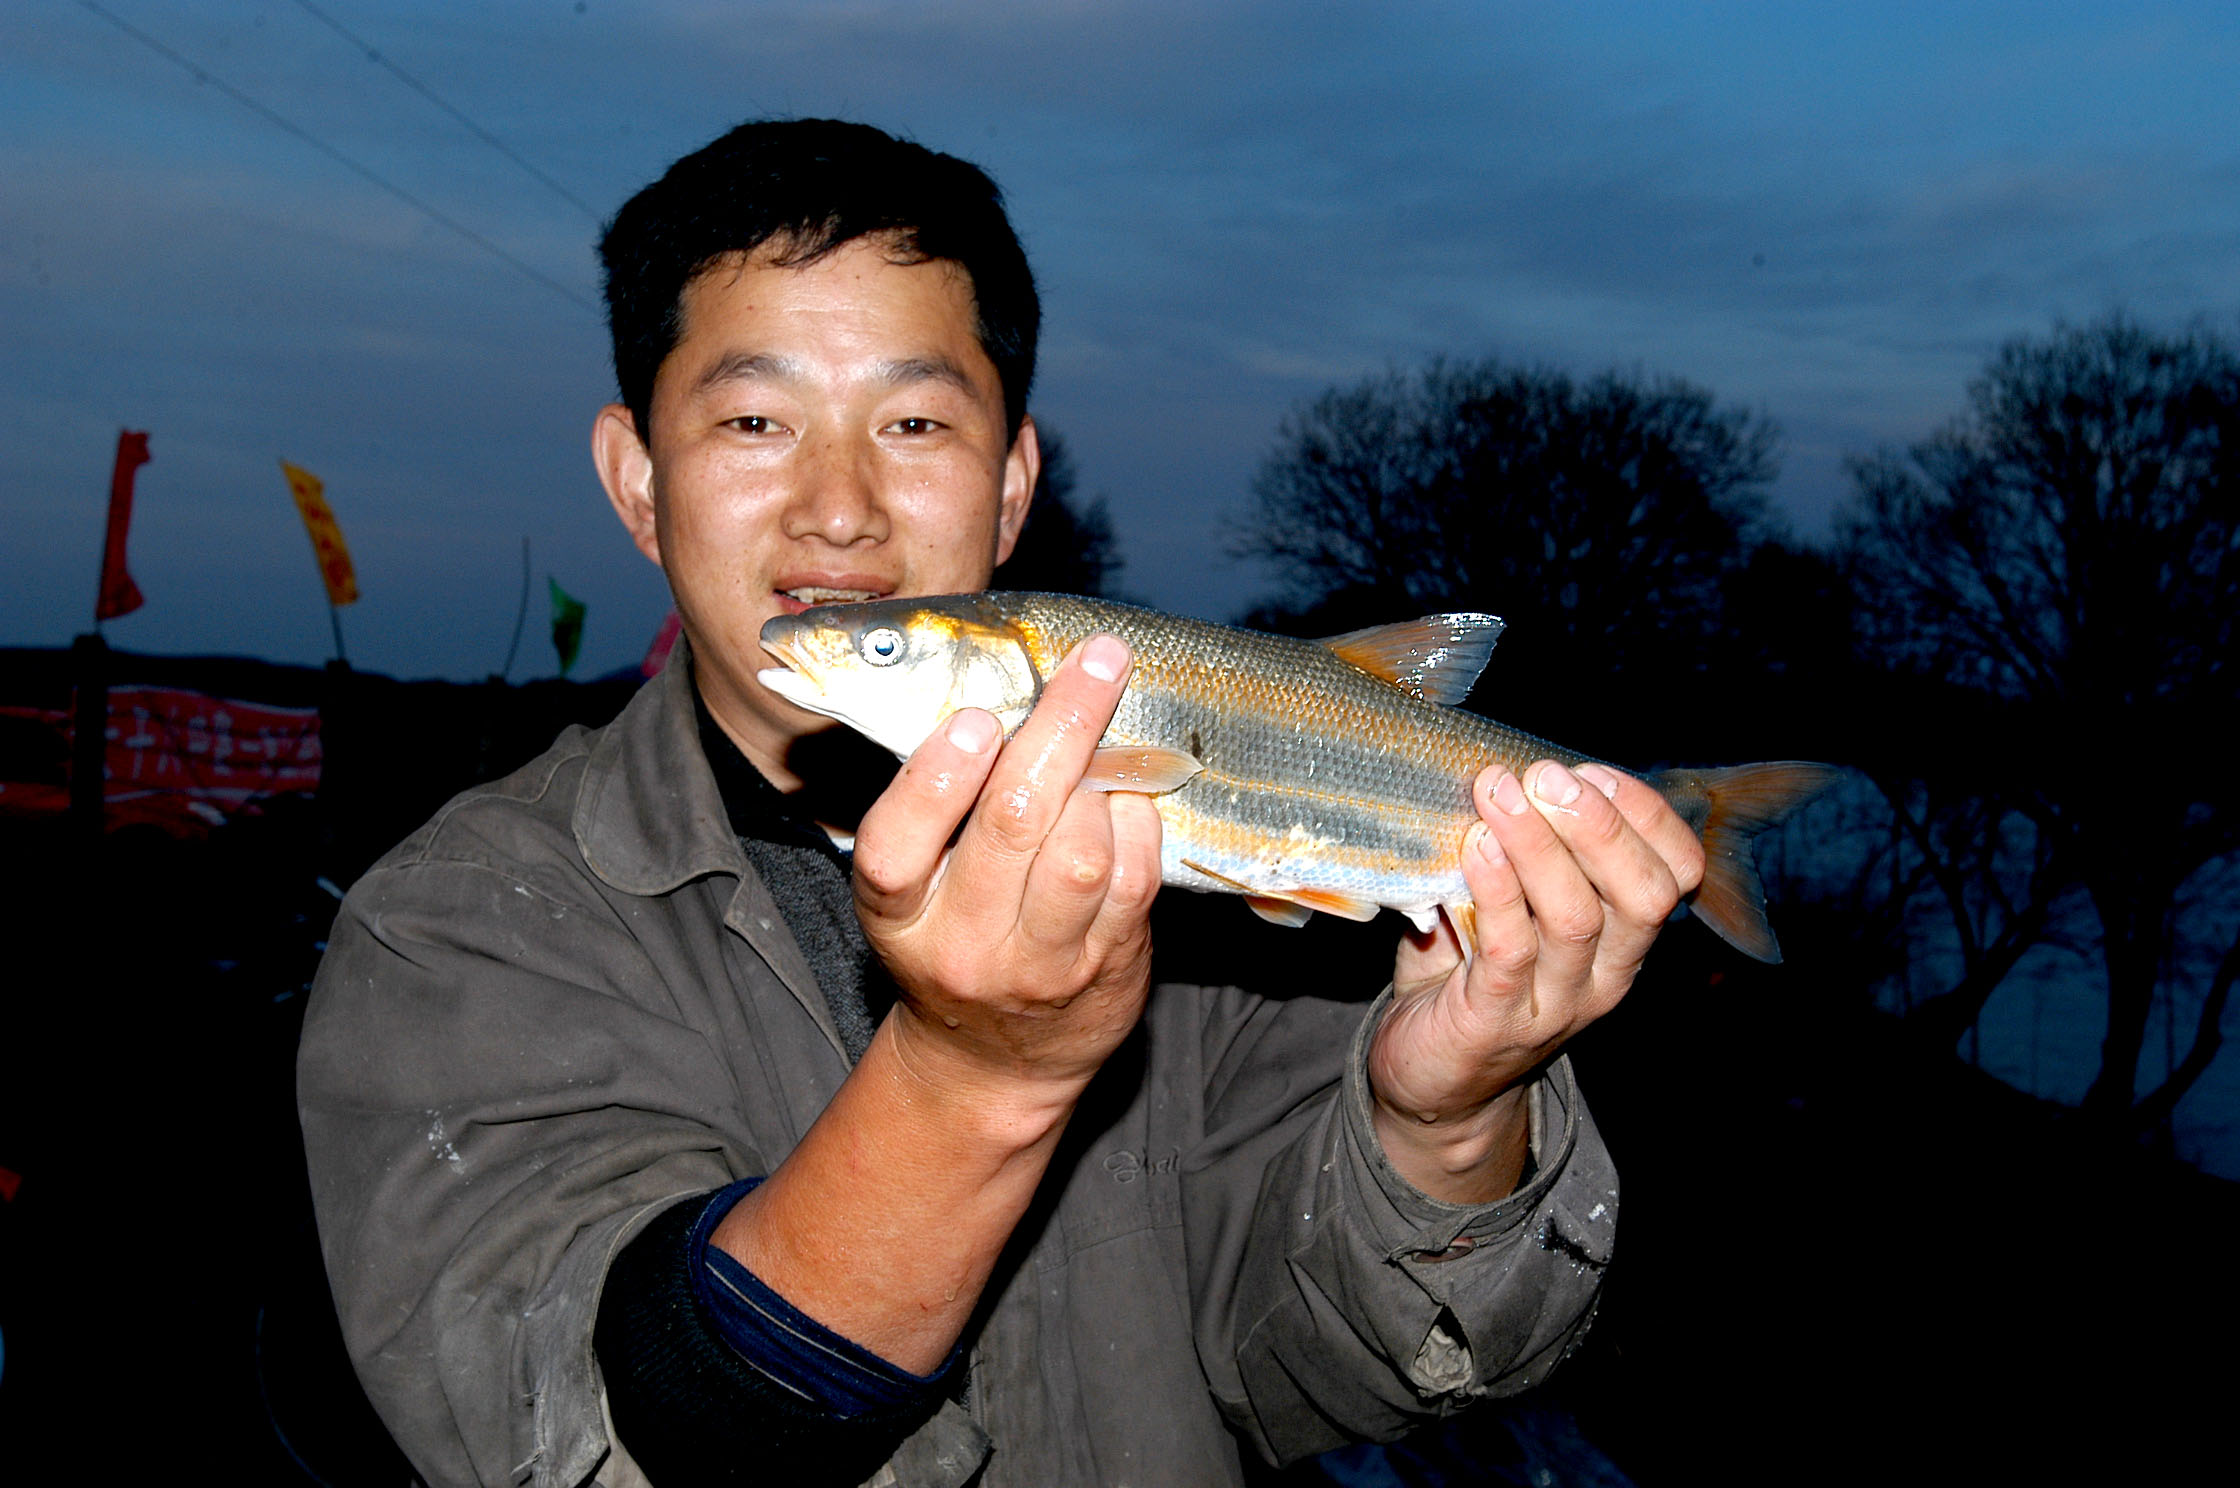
<point>807,187</point>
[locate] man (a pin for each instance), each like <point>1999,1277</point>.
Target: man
<point>654,1137</point>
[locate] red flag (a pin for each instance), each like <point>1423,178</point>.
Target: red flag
<point>119,595</point>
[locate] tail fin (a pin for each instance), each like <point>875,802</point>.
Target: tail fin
<point>1728,809</point>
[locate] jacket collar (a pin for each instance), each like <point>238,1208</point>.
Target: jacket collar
<point>649,817</point>
<point>649,820</point>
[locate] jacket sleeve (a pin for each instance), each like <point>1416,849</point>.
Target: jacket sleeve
<point>1332,1299</point>
<point>494,1099</point>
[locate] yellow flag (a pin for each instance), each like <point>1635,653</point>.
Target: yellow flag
<point>326,538</point>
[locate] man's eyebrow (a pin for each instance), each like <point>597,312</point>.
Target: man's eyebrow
<point>925,369</point>
<point>748,366</point>
<point>760,366</point>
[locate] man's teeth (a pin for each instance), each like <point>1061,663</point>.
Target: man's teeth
<point>814,594</point>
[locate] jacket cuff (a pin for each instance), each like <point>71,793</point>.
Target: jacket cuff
<point>796,1351</point>
<point>1553,1235</point>
<point>1413,1225</point>
<point>692,1409</point>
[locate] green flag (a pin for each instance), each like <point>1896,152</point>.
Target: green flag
<point>567,625</point>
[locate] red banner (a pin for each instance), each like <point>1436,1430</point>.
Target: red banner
<point>180,760</point>
<point>119,595</point>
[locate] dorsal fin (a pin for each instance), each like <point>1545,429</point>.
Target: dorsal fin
<point>1437,658</point>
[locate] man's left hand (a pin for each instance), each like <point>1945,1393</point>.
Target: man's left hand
<point>1573,873</point>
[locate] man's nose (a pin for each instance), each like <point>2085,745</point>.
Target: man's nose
<point>837,496</point>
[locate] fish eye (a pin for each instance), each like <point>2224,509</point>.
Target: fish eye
<point>882,647</point>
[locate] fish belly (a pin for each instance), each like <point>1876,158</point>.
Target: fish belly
<point>1201,851</point>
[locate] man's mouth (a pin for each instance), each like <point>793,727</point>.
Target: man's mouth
<point>797,600</point>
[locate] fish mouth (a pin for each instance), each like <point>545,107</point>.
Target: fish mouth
<point>781,637</point>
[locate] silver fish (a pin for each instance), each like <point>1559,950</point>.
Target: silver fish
<point>1303,775</point>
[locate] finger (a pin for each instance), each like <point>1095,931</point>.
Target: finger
<point>900,841</point>
<point>1635,885</point>
<point>1034,778</point>
<point>1566,910</point>
<point>1136,835</point>
<point>1652,816</point>
<point>1067,882</point>
<point>1508,946</point>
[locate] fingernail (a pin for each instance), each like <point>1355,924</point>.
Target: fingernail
<point>1602,778</point>
<point>1555,785</point>
<point>1104,658</point>
<point>972,731</point>
<point>1484,844</point>
<point>1508,795</point>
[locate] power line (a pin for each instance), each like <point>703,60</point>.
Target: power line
<point>202,74</point>
<point>375,56</point>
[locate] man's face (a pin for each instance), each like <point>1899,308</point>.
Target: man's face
<point>827,432</point>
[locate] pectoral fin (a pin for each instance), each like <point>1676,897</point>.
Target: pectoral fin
<point>1437,658</point>
<point>1144,769</point>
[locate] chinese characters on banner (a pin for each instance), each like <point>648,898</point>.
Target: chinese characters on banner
<point>175,759</point>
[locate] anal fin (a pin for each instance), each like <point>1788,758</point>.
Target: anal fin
<point>1267,902</point>
<point>1463,915</point>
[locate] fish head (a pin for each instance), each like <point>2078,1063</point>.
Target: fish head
<point>895,669</point>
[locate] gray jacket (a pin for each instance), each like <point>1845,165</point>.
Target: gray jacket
<point>568,1002</point>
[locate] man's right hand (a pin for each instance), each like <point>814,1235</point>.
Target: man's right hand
<point>1023,951</point>
<point>1023,958</point>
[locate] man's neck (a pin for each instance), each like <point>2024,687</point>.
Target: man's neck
<point>835,775</point>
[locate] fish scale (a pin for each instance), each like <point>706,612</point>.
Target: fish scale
<point>1306,775</point>
<point>1316,773</point>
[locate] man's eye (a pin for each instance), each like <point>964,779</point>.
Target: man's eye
<point>753,423</point>
<point>915,426</point>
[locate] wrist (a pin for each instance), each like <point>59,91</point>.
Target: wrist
<point>1470,1157</point>
<point>951,1079</point>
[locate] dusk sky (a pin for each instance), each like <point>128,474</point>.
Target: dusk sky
<point>1830,214</point>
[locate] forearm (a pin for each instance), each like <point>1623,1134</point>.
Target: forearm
<point>885,1223</point>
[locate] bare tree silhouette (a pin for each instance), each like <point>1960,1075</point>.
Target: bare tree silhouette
<point>2062,566</point>
<point>1603,519</point>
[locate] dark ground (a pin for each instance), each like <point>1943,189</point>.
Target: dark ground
<point>1841,1260</point>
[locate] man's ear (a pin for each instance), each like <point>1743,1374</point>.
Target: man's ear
<point>1021,468</point>
<point>626,470</point>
